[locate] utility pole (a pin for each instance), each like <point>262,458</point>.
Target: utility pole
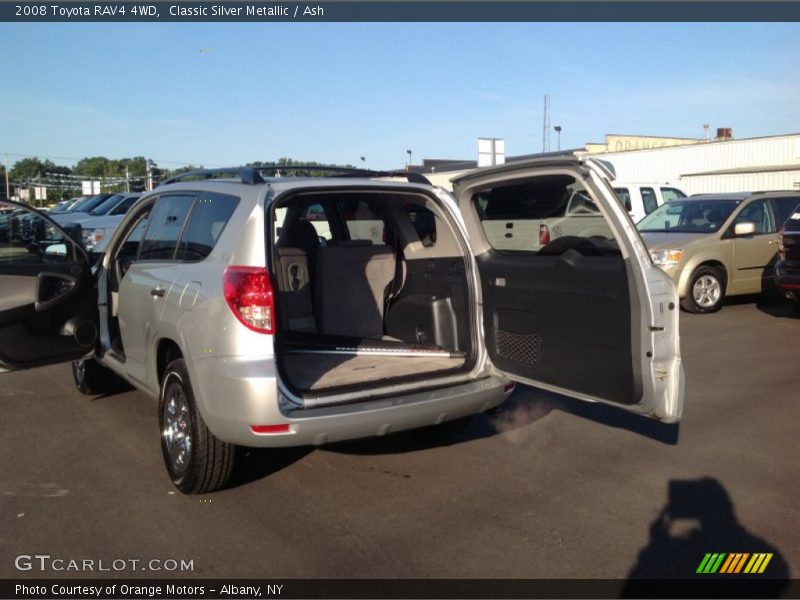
<point>127,179</point>
<point>546,125</point>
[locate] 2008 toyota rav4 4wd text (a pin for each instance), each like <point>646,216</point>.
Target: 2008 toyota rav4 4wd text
<point>300,311</point>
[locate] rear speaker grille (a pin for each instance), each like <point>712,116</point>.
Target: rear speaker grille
<point>525,348</point>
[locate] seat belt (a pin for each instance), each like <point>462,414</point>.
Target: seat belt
<point>399,278</point>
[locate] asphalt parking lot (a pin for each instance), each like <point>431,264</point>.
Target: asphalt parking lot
<point>547,488</point>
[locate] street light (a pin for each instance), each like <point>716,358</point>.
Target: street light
<point>558,131</point>
<point>363,162</point>
<point>408,166</point>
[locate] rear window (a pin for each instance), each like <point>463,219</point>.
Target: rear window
<point>649,200</point>
<point>785,208</point>
<point>528,216</point>
<point>669,194</point>
<point>208,218</point>
<point>424,222</point>
<point>624,196</point>
<point>363,219</point>
<point>166,223</point>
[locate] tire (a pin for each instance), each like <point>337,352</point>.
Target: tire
<point>92,378</point>
<point>706,292</point>
<point>197,462</point>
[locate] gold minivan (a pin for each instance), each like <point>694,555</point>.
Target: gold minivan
<point>718,245</point>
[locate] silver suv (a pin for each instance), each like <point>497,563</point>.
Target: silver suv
<point>300,311</point>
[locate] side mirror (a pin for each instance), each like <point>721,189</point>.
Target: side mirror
<point>744,228</point>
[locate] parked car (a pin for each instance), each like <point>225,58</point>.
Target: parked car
<point>640,199</point>
<point>717,245</point>
<point>531,214</point>
<point>64,205</point>
<point>79,208</point>
<point>96,225</point>
<point>787,269</point>
<point>250,338</point>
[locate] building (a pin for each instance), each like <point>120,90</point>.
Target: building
<point>696,166</point>
<point>721,165</point>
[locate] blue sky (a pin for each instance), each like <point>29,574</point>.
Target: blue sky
<point>225,94</point>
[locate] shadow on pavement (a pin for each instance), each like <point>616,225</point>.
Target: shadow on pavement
<point>253,464</point>
<point>779,307</point>
<point>699,519</point>
<point>525,407</point>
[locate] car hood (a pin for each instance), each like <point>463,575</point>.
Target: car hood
<point>670,241</point>
<point>102,222</point>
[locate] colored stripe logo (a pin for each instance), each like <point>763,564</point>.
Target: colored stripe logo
<point>734,563</point>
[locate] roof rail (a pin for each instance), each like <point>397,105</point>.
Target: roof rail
<point>410,176</point>
<point>246,174</point>
<point>252,175</point>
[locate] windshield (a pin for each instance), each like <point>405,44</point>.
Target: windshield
<point>106,205</point>
<point>88,204</point>
<point>688,216</point>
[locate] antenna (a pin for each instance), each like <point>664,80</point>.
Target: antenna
<point>546,125</point>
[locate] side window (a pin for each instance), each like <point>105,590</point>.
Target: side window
<point>424,222</point>
<point>166,223</point>
<point>27,237</point>
<point>550,214</point>
<point>649,200</point>
<point>624,196</point>
<point>669,194</point>
<point>208,218</point>
<point>758,213</point>
<point>363,221</point>
<point>784,208</point>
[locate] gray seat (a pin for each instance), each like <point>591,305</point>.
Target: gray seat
<point>350,283</point>
<point>294,283</point>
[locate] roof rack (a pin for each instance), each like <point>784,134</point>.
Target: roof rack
<point>247,175</point>
<point>410,176</point>
<point>252,175</point>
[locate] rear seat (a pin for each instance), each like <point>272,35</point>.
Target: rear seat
<point>351,278</point>
<point>294,283</point>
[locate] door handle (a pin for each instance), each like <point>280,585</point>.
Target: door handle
<point>158,292</point>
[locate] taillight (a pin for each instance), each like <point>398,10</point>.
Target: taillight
<point>248,291</point>
<point>781,248</point>
<point>544,235</point>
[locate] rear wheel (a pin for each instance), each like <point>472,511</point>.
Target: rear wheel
<point>93,378</point>
<point>196,460</point>
<point>706,291</point>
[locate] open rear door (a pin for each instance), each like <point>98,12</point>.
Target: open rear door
<point>48,304</point>
<point>570,298</point>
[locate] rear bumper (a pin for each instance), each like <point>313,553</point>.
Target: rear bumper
<point>233,394</point>
<point>787,278</point>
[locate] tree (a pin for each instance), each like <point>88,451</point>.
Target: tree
<point>96,166</point>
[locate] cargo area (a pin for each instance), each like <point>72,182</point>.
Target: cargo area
<point>371,289</point>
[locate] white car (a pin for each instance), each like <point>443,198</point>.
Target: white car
<point>640,199</point>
